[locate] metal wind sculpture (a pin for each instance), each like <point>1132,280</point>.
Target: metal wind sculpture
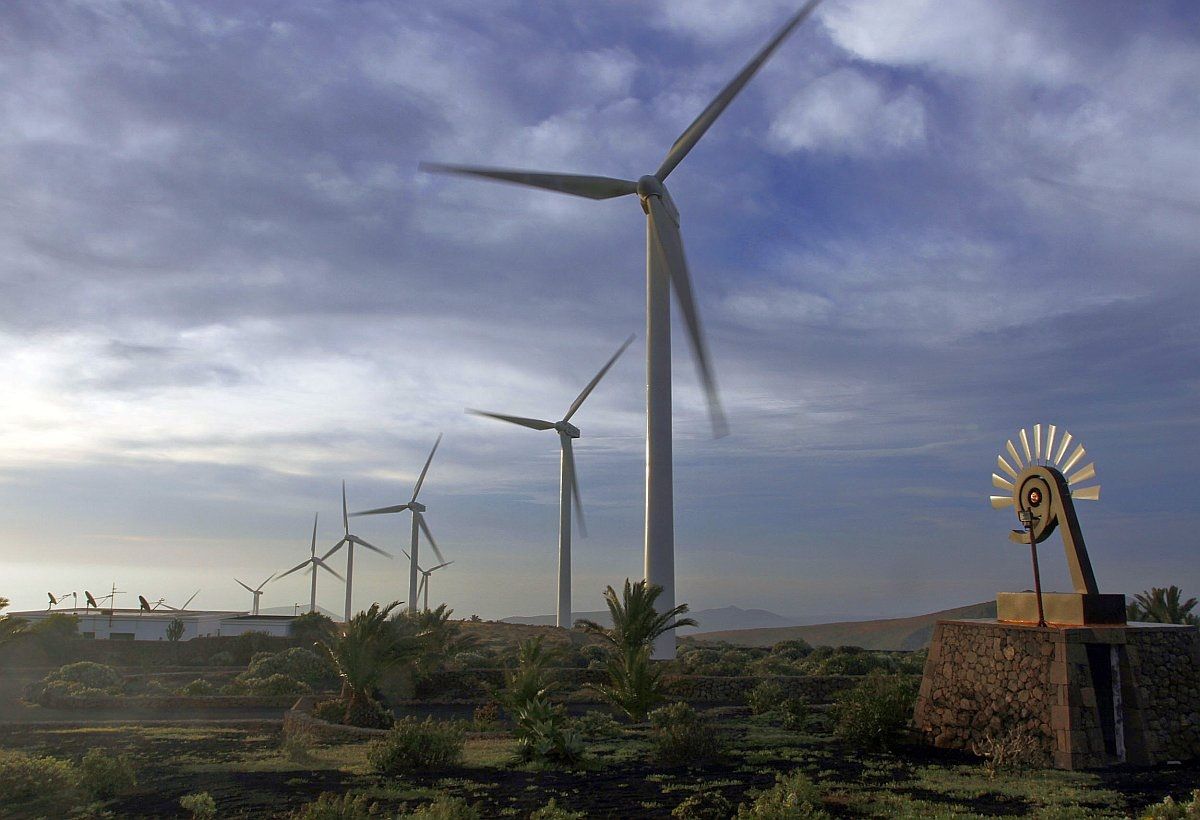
<point>568,483</point>
<point>418,526</point>
<point>666,269</point>
<point>348,541</point>
<point>312,564</point>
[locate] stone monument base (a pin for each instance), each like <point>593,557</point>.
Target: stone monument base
<point>1089,696</point>
<point>1061,608</point>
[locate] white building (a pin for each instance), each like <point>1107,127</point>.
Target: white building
<point>139,625</point>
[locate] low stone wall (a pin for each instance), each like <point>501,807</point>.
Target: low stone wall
<point>170,703</point>
<point>299,722</point>
<point>1089,696</point>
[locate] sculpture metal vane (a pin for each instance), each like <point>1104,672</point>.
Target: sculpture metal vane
<point>1040,487</point>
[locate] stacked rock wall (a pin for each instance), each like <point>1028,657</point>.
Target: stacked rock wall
<point>1088,696</point>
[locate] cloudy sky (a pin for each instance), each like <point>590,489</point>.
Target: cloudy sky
<point>226,287</point>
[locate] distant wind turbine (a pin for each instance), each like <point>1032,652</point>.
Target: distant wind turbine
<point>313,563</point>
<point>425,573</point>
<point>568,483</point>
<point>348,541</point>
<point>666,268</point>
<point>418,526</point>
<point>256,592</point>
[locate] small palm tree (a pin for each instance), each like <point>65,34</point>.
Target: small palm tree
<point>529,680</point>
<point>636,623</point>
<point>1164,606</point>
<point>365,650</point>
<point>635,683</point>
<point>10,628</point>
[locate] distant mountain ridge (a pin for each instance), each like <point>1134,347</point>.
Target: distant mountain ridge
<point>723,618</point>
<point>890,633</point>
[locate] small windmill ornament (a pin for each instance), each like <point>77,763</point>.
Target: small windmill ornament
<point>1042,488</point>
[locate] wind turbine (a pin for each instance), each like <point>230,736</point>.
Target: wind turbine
<point>666,268</point>
<point>163,603</point>
<point>418,526</point>
<point>312,563</point>
<point>257,593</point>
<point>349,541</point>
<point>425,573</point>
<point>568,484</point>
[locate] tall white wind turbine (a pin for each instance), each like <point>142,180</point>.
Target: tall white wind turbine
<point>418,526</point>
<point>568,484</point>
<point>425,573</point>
<point>666,268</point>
<point>313,562</point>
<point>348,541</point>
<point>255,591</point>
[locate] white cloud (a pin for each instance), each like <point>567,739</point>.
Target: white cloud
<point>848,113</point>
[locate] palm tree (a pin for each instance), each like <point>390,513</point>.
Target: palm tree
<point>10,628</point>
<point>529,681</point>
<point>1158,605</point>
<point>635,621</point>
<point>635,685</point>
<point>366,649</point>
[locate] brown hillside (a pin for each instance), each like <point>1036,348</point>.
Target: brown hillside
<point>893,633</point>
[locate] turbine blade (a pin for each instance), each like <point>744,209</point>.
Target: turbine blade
<point>314,536</point>
<point>533,424</point>
<point>1087,493</point>
<point>425,469</point>
<point>592,187</point>
<point>1001,482</point>
<point>688,139</point>
<point>382,510</point>
<point>1005,466</point>
<point>296,568</point>
<point>406,555</point>
<point>372,547</point>
<point>1084,474</point>
<point>1062,448</point>
<point>569,456</point>
<point>189,600</point>
<point>318,562</point>
<point>670,248</point>
<point>429,535</point>
<point>248,589</point>
<point>1001,501</point>
<point>333,549</point>
<point>587,391</point>
<point>439,566</point>
<point>264,583</point>
<point>421,586</point>
<point>1025,447</point>
<point>1076,454</point>
<point>1012,451</point>
<point>345,515</point>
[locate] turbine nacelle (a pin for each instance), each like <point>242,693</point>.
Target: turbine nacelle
<point>417,506</point>
<point>567,429</point>
<point>651,185</point>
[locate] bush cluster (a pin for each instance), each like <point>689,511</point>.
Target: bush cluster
<point>330,806</point>
<point>544,735</point>
<point>198,687</point>
<point>874,713</point>
<point>200,804</point>
<point>37,783</point>
<point>81,680</point>
<point>413,744</point>
<point>444,808</point>
<point>792,796</point>
<point>765,697</point>
<point>1168,809</point>
<point>553,811</point>
<point>595,725</point>
<point>106,775</point>
<point>703,805</point>
<point>679,735</point>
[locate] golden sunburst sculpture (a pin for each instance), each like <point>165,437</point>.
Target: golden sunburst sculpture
<point>1041,486</point>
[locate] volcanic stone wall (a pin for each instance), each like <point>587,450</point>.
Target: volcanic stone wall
<point>1088,696</point>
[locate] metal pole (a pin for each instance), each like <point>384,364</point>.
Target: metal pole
<point>412,563</point>
<point>563,618</point>
<point>1037,576</point>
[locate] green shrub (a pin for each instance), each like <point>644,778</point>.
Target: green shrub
<point>417,745</point>
<point>155,686</point>
<point>37,783</point>
<point>331,710</point>
<point>200,804</point>
<point>795,714</point>
<point>792,796</point>
<point>296,663</point>
<point>198,687</point>
<point>88,675</point>
<point>486,716</point>
<point>445,808</point>
<point>595,725</point>
<point>679,735</point>
<point>274,685</point>
<point>765,697</point>
<point>543,735</point>
<point>221,658</point>
<point>1168,809</point>
<point>709,805</point>
<point>330,806</point>
<point>876,711</point>
<point>106,775</point>
<point>553,811</point>
<point>368,713</point>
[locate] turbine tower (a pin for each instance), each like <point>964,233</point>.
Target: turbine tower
<point>348,541</point>
<point>312,563</point>
<point>666,268</point>
<point>257,593</point>
<point>418,526</point>
<point>425,573</point>
<point>568,484</point>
